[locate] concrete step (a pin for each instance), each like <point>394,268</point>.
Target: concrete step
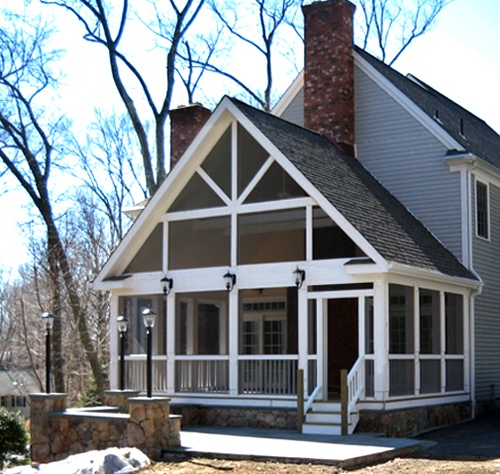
<point>324,417</point>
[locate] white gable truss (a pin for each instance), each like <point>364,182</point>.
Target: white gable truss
<point>225,115</point>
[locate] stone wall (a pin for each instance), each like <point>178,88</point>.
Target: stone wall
<point>198,415</point>
<point>57,432</point>
<point>411,421</point>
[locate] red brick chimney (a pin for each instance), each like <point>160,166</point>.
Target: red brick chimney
<point>185,123</point>
<point>329,71</point>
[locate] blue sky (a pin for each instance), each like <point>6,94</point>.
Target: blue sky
<point>460,58</point>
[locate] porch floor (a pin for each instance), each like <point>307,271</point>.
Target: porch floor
<point>290,446</point>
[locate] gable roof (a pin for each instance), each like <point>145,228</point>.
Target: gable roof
<point>382,220</point>
<point>471,132</point>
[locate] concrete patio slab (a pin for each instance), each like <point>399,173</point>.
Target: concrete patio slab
<point>290,446</point>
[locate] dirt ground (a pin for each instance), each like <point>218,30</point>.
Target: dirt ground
<point>417,465</point>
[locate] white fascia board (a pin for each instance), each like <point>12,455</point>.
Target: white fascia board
<point>290,94</point>
<point>423,274</point>
<point>308,187</point>
<point>404,101</point>
<point>481,168</point>
<point>366,268</point>
<point>168,191</point>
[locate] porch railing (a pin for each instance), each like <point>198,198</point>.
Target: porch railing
<point>272,375</point>
<point>135,373</point>
<point>355,383</point>
<point>207,375</point>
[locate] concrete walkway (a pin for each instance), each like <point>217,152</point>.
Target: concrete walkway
<point>290,446</point>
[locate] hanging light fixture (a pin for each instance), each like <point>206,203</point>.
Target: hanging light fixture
<point>167,284</point>
<point>229,280</point>
<point>299,277</point>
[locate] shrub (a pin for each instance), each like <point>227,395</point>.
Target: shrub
<point>13,435</point>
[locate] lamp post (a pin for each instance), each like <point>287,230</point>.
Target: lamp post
<point>149,317</point>
<point>48,320</point>
<point>122,329</point>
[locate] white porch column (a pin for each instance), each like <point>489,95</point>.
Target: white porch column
<point>170,343</point>
<point>381,339</point>
<point>233,342</point>
<point>113,342</point>
<point>303,326</point>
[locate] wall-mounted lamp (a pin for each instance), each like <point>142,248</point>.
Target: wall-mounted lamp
<point>299,276</point>
<point>230,281</point>
<point>166,284</point>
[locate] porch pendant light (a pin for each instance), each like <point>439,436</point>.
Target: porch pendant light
<point>167,284</point>
<point>230,281</point>
<point>299,276</point>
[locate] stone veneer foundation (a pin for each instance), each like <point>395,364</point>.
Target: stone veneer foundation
<point>57,432</point>
<point>412,421</point>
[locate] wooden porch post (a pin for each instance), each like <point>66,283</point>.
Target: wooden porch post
<point>344,401</point>
<point>300,399</point>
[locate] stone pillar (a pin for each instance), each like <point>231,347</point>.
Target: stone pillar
<point>119,398</point>
<point>42,424</point>
<point>151,426</point>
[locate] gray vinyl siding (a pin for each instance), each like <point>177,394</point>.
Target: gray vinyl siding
<point>295,111</point>
<point>408,160</point>
<point>487,305</point>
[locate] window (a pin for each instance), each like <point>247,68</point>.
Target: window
<point>482,210</point>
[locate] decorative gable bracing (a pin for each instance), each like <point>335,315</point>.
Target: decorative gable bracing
<point>213,181</point>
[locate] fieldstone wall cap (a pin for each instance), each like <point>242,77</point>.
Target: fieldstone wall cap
<point>149,399</point>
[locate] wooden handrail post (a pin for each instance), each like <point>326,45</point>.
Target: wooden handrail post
<point>300,399</point>
<point>344,401</point>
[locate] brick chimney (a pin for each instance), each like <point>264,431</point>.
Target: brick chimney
<point>185,123</point>
<point>329,71</point>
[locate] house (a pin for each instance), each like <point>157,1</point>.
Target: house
<point>355,228</point>
<point>15,385</point>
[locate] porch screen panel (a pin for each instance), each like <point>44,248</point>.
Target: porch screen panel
<point>430,328</point>
<point>454,323</point>
<point>401,377</point>
<point>199,243</point>
<point>430,376</point>
<point>454,375</point>
<point>401,322</point>
<point>201,323</point>
<point>269,237</point>
<point>329,240</point>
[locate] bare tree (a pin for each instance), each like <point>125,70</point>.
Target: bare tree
<point>106,23</point>
<point>27,150</point>
<point>388,27</point>
<point>264,32</point>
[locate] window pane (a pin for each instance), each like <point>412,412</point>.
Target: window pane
<point>329,240</point>
<point>454,375</point>
<point>251,156</point>
<point>197,194</point>
<point>401,319</point>
<point>272,236</point>
<point>201,323</point>
<point>430,376</point>
<point>149,256</point>
<point>430,334</point>
<point>454,324</point>
<point>401,377</point>
<point>369,326</point>
<point>276,184</point>
<point>217,164</point>
<point>482,209</point>
<point>199,243</point>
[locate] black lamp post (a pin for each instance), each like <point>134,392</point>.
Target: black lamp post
<point>122,329</point>
<point>149,317</point>
<point>48,320</point>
